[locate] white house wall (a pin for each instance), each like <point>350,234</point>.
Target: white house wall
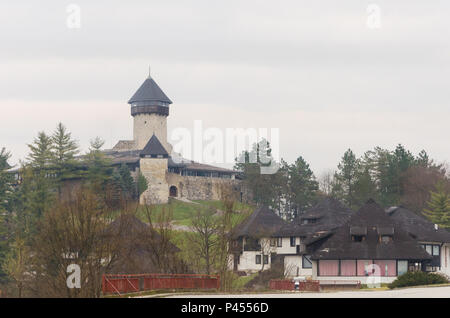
<point>293,267</point>
<point>445,259</point>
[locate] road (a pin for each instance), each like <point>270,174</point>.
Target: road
<point>427,292</point>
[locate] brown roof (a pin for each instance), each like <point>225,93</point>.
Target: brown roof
<point>329,214</point>
<point>418,226</point>
<point>262,222</point>
<point>372,217</point>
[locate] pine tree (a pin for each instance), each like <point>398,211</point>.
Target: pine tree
<point>64,151</point>
<point>438,210</point>
<point>346,177</point>
<point>40,151</point>
<point>303,186</point>
<point>6,194</point>
<point>99,166</point>
<point>38,176</point>
<point>127,182</point>
<point>142,184</point>
<point>6,181</point>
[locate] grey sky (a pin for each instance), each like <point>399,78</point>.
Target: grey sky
<point>312,68</point>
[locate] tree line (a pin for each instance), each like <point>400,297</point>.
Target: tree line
<point>391,177</point>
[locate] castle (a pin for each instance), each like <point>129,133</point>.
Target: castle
<point>151,154</point>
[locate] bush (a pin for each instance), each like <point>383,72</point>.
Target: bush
<point>418,278</point>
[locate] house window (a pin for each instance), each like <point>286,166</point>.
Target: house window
<point>386,267</point>
<point>328,268</point>
<point>306,261</point>
<point>279,241</point>
<point>436,250</point>
<point>429,250</point>
<point>266,259</point>
<point>348,267</point>
<point>292,241</point>
<point>258,259</point>
<point>402,267</point>
<point>362,267</point>
<point>358,238</point>
<point>273,241</point>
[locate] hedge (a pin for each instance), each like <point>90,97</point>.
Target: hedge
<point>418,278</point>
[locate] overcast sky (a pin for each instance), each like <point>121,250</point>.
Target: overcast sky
<point>314,69</point>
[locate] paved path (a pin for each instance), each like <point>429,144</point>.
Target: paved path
<point>427,292</point>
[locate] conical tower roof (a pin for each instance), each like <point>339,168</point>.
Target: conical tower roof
<point>149,91</point>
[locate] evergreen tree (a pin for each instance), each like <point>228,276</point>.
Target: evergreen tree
<point>303,186</point>
<point>346,177</point>
<point>6,181</point>
<point>438,210</point>
<point>38,185</point>
<point>41,149</point>
<point>142,184</point>
<point>127,182</point>
<point>6,193</point>
<point>422,159</point>
<point>99,166</point>
<point>64,151</point>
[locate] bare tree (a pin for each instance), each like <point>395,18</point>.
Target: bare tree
<point>326,182</point>
<point>73,232</point>
<point>203,236</point>
<point>159,240</point>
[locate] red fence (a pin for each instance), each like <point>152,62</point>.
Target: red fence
<point>312,285</point>
<point>120,284</point>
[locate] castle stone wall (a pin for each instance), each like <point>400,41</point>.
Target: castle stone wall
<point>202,188</point>
<point>155,171</point>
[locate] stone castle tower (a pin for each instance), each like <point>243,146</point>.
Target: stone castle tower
<point>150,153</point>
<point>150,108</point>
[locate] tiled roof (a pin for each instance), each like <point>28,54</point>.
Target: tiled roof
<point>263,222</point>
<point>418,226</point>
<point>371,216</point>
<point>154,148</point>
<point>329,214</point>
<point>149,91</point>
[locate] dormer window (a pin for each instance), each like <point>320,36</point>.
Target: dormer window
<point>358,238</point>
<point>358,233</point>
<point>386,234</point>
<point>309,221</point>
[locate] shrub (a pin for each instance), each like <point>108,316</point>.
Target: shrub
<point>418,278</point>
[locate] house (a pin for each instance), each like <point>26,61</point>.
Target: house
<point>435,240</point>
<point>265,238</point>
<point>309,230</point>
<point>370,244</point>
<point>253,246</point>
